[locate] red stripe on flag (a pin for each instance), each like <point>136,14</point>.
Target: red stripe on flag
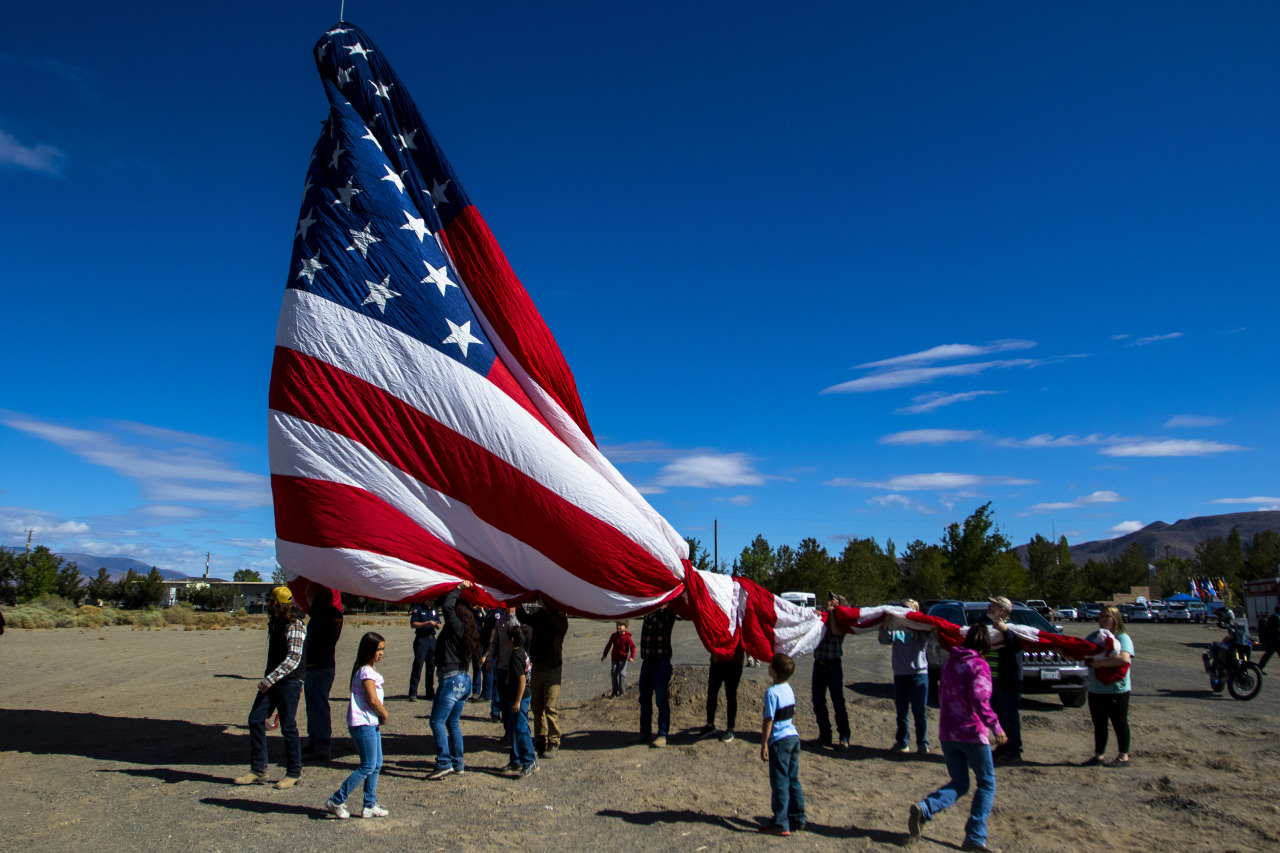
<point>502,378</point>
<point>504,302</point>
<point>323,514</point>
<point>496,491</point>
<point>758,621</point>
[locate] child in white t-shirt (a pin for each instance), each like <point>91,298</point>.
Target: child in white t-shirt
<point>365,713</point>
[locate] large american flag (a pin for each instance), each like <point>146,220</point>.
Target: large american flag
<point>424,425</point>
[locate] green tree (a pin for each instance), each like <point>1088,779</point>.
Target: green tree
<point>755,563</point>
<point>1042,559</point>
<point>698,556</point>
<point>246,576</point>
<point>140,591</point>
<point>867,575</point>
<point>812,569</point>
<point>101,587</point>
<point>1005,576</point>
<point>70,583</point>
<point>39,575</point>
<point>1063,583</point>
<point>1132,567</point>
<point>211,596</point>
<point>1262,556</point>
<point>973,551</point>
<point>1174,572</point>
<point>10,573</point>
<point>278,577</point>
<point>1222,558</point>
<point>925,576</point>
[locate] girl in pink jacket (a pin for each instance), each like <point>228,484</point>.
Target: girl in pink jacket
<point>968,729</point>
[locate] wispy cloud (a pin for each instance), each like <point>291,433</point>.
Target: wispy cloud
<point>1047,440</point>
<point>1120,337</point>
<point>1103,497</point>
<point>1125,527</point>
<point>923,482</point>
<point>640,451</point>
<point>907,376</point>
<point>931,436</point>
<point>950,352</point>
<point>710,471</point>
<point>737,500</point>
<point>937,399</point>
<point>1192,421</point>
<point>34,158</point>
<point>170,471</point>
<point>900,502</point>
<point>1141,342</point>
<point>1171,447</point>
<point>1257,500</point>
<point>16,521</point>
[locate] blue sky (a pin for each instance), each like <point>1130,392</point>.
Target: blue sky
<point>851,270</point>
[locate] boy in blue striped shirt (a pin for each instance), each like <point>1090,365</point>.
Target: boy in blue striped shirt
<point>780,747</point>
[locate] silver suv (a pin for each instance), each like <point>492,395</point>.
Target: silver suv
<point>1042,672</point>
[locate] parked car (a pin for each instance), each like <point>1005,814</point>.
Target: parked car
<point>1067,612</point>
<point>1174,613</point>
<point>1199,613</point>
<point>1089,613</point>
<point>1042,671</point>
<point>1140,613</point>
<point>1039,606</point>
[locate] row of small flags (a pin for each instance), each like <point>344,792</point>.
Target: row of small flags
<point>1207,588</point>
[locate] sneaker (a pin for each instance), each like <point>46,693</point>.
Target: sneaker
<point>374,811</point>
<point>550,752</point>
<point>338,810</point>
<point>915,821</point>
<point>286,783</point>
<point>413,698</point>
<point>644,738</point>
<point>440,774</point>
<point>984,848</point>
<point>659,742</point>
<point>771,829</point>
<point>526,772</point>
<point>706,730</point>
<point>510,769</point>
<point>844,743</point>
<point>461,771</point>
<point>252,778</point>
<point>727,736</point>
<point>922,749</point>
<point>900,747</point>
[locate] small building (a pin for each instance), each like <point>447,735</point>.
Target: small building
<point>1260,598</point>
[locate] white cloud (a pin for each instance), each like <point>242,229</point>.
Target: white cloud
<point>903,377</point>
<point>1103,497</point>
<point>1120,337</point>
<point>899,502</point>
<point>1171,447</point>
<point>1257,500</point>
<point>1192,421</point>
<point>1047,440</point>
<point>1151,340</point>
<point>35,158</point>
<point>173,474</point>
<point>1125,527</point>
<point>922,482</point>
<point>710,471</point>
<point>931,436</point>
<point>639,451</point>
<point>16,521</point>
<point>950,352</point>
<point>739,500</point>
<point>936,400</point>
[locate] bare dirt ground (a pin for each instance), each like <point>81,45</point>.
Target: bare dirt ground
<point>125,740</point>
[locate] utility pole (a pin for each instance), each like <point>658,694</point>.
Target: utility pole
<point>29,532</point>
<point>715,542</point>
<point>206,565</point>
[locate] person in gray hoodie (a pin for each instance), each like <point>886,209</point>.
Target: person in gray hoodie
<point>910,681</point>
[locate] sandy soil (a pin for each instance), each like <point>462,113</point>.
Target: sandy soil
<point>123,740</point>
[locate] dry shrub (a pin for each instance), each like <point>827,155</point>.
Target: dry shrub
<point>148,619</point>
<point>181,613</point>
<point>29,616</point>
<point>88,616</point>
<point>211,621</point>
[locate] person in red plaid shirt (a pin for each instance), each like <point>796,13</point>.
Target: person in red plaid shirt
<point>624,649</point>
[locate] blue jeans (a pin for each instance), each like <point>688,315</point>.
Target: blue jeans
<point>655,679</point>
<point>784,783</point>
<point>451,698</point>
<point>522,752</point>
<point>1005,704</point>
<point>829,678</point>
<point>424,653</point>
<point>486,683</point>
<point>911,692</point>
<point>960,759</point>
<point>316,684</point>
<point>282,697</point>
<point>618,676</point>
<point>497,707</point>
<point>368,740</point>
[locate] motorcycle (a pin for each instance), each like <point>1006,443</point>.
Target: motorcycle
<point>1228,665</point>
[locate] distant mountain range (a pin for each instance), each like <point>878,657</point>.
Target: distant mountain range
<point>115,566</point>
<point>1181,537</point>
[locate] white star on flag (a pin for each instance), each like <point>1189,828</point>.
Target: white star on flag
<point>338,151</point>
<point>379,293</point>
<point>461,336</point>
<point>346,193</point>
<point>368,134</point>
<point>417,226</point>
<point>382,90</point>
<point>311,266</point>
<point>440,278</point>
<point>407,141</point>
<point>304,224</point>
<point>393,178</point>
<point>437,192</point>
<point>344,75</point>
<point>357,49</point>
<point>336,31</point>
<point>362,240</point>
